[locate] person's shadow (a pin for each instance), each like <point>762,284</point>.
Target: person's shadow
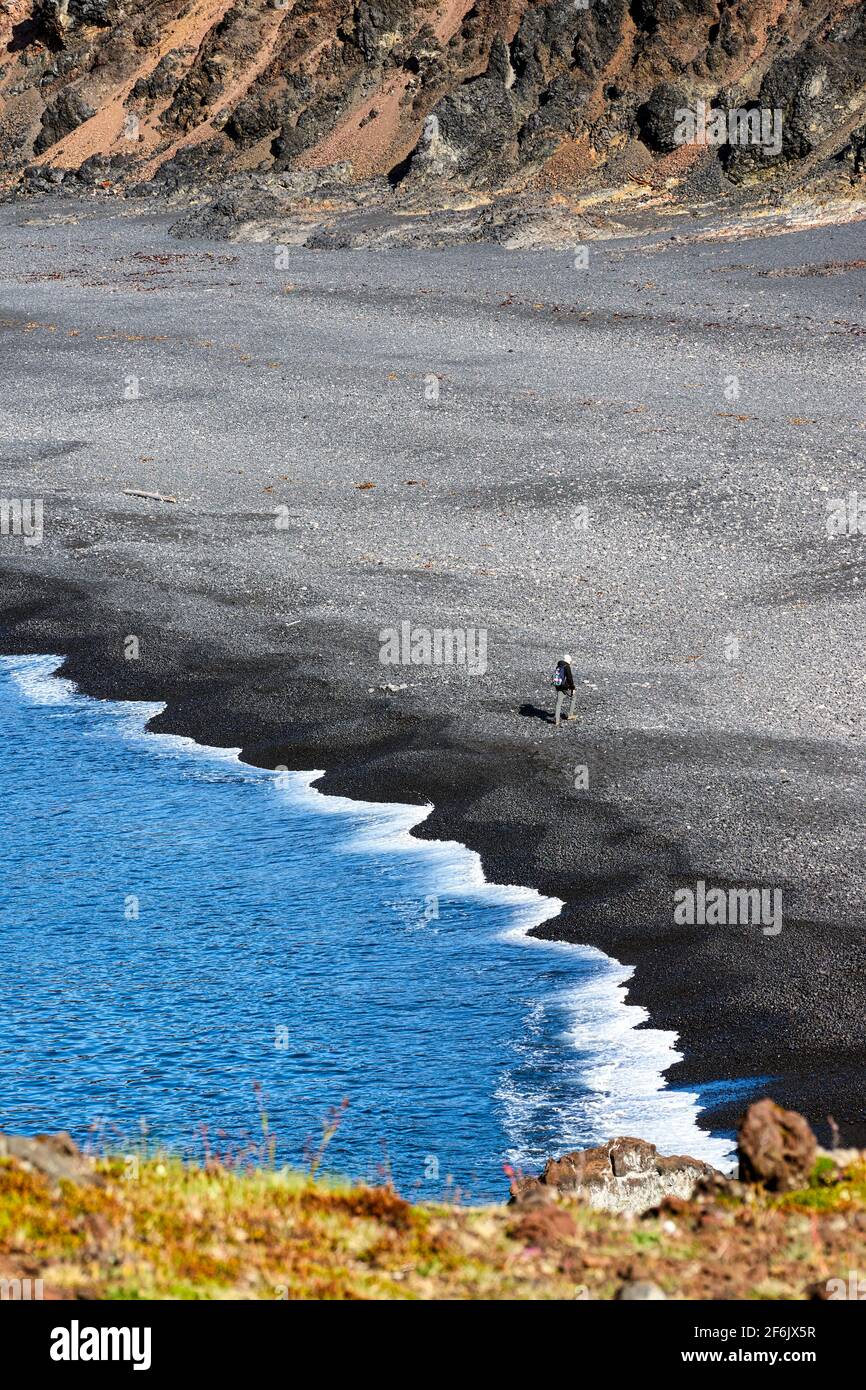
<point>533,712</point>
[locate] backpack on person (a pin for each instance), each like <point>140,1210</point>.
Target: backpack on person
<point>559,676</point>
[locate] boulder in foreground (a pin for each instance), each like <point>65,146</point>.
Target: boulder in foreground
<point>54,1156</point>
<point>623,1175</point>
<point>776,1147</point>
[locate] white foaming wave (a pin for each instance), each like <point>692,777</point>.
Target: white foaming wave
<point>620,1064</point>
<point>387,827</point>
<point>36,679</point>
<point>180,745</point>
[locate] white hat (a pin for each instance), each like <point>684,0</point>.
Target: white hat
<point>566,657</point>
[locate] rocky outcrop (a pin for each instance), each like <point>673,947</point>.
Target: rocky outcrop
<point>624,1175</point>
<point>776,1147</point>
<point>63,114</point>
<point>431,94</point>
<point>819,91</point>
<point>55,1156</point>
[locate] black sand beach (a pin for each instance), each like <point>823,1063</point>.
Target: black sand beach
<point>717,630</point>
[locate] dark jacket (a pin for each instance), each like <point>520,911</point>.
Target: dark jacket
<point>568,678</point>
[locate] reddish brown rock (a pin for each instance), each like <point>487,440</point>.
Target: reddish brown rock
<point>776,1147</point>
<point>623,1175</point>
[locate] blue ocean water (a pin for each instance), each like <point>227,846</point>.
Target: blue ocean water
<point>179,929</point>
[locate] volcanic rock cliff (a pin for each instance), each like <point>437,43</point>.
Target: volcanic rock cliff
<point>498,94</point>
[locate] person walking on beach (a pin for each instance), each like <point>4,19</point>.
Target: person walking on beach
<point>563,684</point>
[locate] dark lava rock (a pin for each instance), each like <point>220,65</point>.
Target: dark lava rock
<point>854,153</point>
<point>161,80</point>
<point>377,21</point>
<point>53,19</point>
<point>99,12</point>
<point>100,168</point>
<point>50,22</point>
<point>65,113</point>
<point>817,89</point>
<point>656,118</point>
